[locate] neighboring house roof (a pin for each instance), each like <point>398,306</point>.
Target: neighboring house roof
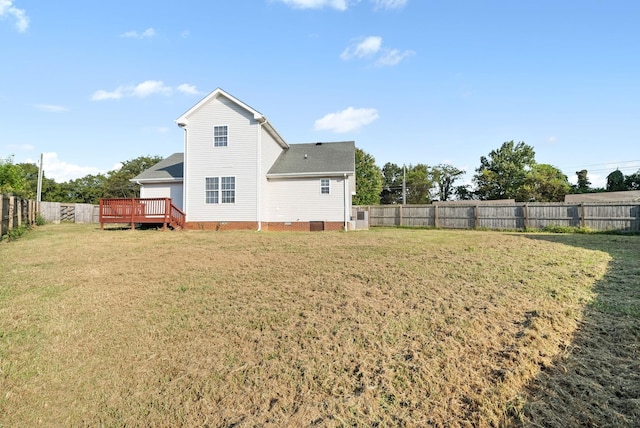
<point>169,169</point>
<point>623,196</point>
<point>183,121</point>
<point>315,159</point>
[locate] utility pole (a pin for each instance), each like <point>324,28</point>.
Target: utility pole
<point>40,172</point>
<point>404,185</point>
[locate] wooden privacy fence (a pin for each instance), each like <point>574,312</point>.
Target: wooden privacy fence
<point>56,212</point>
<point>623,216</point>
<point>16,212</point>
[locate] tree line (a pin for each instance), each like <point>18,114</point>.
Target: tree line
<point>22,180</point>
<point>509,172</point>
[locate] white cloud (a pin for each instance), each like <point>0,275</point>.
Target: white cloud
<point>62,171</point>
<point>185,88</point>
<point>51,108</point>
<point>146,34</point>
<point>371,46</point>
<point>389,4</point>
<point>365,47</point>
<point>347,120</point>
<point>317,4</point>
<point>105,95</point>
<point>8,9</point>
<point>142,90</point>
<point>390,57</point>
<point>150,87</point>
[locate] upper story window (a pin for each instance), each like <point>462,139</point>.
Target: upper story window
<point>324,186</point>
<point>220,136</point>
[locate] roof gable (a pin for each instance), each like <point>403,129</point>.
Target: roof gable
<point>315,159</point>
<point>183,120</point>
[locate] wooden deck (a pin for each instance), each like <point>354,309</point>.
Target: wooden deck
<point>141,211</point>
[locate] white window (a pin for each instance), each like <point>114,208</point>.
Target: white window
<point>228,190</point>
<point>211,190</point>
<point>220,136</point>
<point>324,186</point>
<point>220,190</point>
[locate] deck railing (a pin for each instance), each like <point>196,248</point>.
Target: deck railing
<point>140,210</point>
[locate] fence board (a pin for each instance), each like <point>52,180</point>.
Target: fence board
<point>623,216</point>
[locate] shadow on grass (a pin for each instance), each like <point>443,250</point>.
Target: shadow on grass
<point>596,382</point>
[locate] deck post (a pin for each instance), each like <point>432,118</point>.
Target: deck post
<point>167,211</point>
<point>101,208</point>
<point>132,207</point>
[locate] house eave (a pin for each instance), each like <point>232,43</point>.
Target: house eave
<point>156,180</point>
<point>311,174</point>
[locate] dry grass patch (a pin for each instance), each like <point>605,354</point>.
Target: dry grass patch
<point>386,327</point>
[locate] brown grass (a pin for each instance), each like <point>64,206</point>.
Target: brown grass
<point>386,327</point>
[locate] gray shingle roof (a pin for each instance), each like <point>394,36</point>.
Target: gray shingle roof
<point>169,169</point>
<point>315,158</point>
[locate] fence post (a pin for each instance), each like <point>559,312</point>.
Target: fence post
<point>525,211</point>
<point>435,215</point>
<point>400,213</point>
<point>475,216</point>
<point>11,211</point>
<point>583,220</point>
<point>2,231</point>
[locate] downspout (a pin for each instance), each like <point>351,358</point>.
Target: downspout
<point>184,172</point>
<point>344,199</point>
<point>259,175</point>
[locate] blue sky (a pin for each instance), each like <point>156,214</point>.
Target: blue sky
<point>93,83</point>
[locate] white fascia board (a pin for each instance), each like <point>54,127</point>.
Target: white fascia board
<point>183,119</point>
<point>156,180</point>
<point>340,174</point>
<point>272,131</point>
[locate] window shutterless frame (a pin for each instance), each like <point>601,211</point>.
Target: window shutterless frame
<point>220,136</point>
<point>220,190</point>
<point>325,188</point>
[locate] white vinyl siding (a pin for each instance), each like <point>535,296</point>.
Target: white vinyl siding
<point>163,190</point>
<point>292,200</point>
<point>237,160</point>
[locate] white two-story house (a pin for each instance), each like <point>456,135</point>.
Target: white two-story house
<point>237,172</point>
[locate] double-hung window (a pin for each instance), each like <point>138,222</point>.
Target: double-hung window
<point>324,186</point>
<point>220,136</point>
<point>220,190</point>
<point>228,186</point>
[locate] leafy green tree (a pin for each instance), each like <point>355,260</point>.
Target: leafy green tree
<point>88,189</point>
<point>583,182</point>
<point>118,184</point>
<point>546,183</point>
<point>444,176</point>
<point>11,178</point>
<point>368,179</point>
<point>504,172</point>
<point>464,193</point>
<point>615,181</point>
<point>419,184</point>
<point>633,181</point>
<point>392,176</point>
